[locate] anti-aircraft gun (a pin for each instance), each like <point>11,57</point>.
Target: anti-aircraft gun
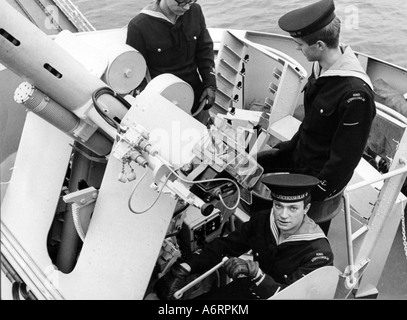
<point>118,186</point>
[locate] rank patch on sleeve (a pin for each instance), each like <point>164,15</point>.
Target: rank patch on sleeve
<point>356,96</point>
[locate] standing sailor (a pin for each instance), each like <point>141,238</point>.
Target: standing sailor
<point>173,38</point>
<point>339,109</point>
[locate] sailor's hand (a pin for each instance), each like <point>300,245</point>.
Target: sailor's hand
<point>286,146</point>
<point>174,280</point>
<point>209,95</point>
<point>236,267</point>
<point>269,153</point>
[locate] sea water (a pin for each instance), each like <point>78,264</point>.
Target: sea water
<point>374,27</point>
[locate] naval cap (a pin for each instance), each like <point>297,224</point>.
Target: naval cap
<point>307,20</point>
<point>290,187</point>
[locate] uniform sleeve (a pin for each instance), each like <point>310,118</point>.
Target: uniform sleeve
<point>233,245</point>
<point>135,39</point>
<point>348,144</point>
<point>266,287</point>
<point>205,58</point>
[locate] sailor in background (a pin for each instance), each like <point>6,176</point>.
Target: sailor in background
<point>339,109</point>
<point>173,38</point>
<point>286,245</point>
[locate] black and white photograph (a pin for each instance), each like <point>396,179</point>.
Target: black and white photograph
<point>200,156</point>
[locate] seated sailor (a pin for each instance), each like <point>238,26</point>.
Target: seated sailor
<point>286,245</point>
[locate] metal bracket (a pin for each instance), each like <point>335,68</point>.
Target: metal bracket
<point>82,207</point>
<point>351,271</point>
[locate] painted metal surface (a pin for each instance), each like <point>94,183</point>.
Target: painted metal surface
<point>116,238</point>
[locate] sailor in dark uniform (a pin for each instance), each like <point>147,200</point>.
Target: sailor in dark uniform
<point>339,109</point>
<point>173,38</point>
<point>285,243</point>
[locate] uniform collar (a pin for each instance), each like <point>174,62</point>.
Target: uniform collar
<point>347,66</point>
<point>156,14</point>
<point>308,231</point>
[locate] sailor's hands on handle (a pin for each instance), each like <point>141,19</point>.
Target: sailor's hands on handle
<point>173,281</point>
<point>209,95</point>
<point>236,267</point>
<point>179,293</point>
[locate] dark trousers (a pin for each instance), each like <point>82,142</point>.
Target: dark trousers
<point>325,226</point>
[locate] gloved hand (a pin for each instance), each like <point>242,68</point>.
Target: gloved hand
<point>235,267</point>
<point>174,280</point>
<point>209,95</point>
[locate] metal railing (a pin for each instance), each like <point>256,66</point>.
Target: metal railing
<point>74,15</point>
<point>352,269</point>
